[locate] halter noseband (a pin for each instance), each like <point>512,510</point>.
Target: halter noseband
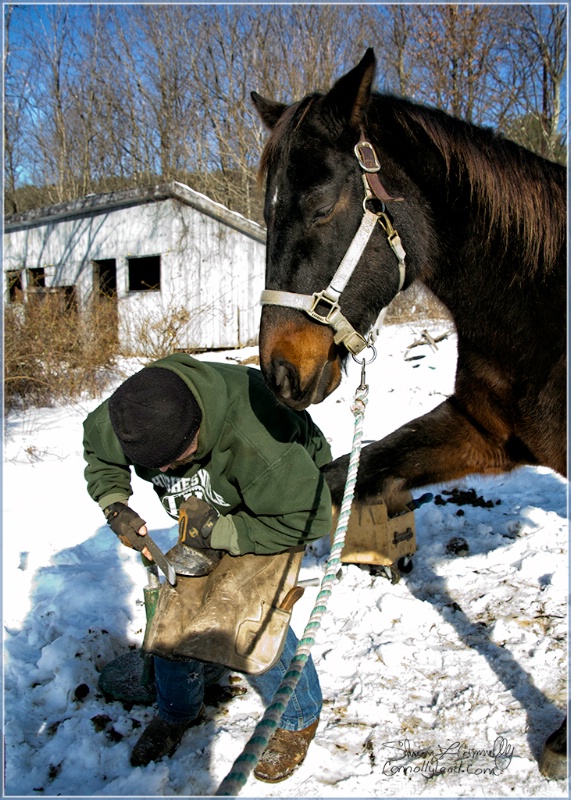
<point>324,306</point>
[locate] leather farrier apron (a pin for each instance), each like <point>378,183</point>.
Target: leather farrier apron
<point>238,615</point>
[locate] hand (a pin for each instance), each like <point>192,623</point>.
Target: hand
<point>196,520</point>
<point>122,519</point>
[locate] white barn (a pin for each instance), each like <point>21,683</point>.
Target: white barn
<point>161,252</point>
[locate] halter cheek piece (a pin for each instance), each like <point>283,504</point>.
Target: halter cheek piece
<point>324,306</point>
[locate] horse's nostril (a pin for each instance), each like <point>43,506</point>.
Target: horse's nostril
<point>285,378</point>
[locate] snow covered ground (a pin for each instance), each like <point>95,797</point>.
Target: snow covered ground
<point>443,685</point>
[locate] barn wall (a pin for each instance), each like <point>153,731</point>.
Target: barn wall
<point>211,274</point>
<point>221,272</point>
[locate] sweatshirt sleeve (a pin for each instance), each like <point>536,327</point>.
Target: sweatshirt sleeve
<point>107,473</point>
<point>296,486</point>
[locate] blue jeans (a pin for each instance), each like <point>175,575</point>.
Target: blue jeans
<point>180,689</point>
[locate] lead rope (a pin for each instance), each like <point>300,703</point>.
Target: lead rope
<point>257,743</point>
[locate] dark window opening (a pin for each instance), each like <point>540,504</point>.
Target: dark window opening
<point>67,297</point>
<point>36,278</point>
<point>144,274</point>
<point>105,297</point>
<point>105,277</point>
<point>15,290</point>
<point>63,297</point>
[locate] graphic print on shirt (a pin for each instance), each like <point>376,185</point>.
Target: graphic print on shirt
<point>179,489</point>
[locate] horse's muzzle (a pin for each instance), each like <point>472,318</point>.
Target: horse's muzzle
<point>298,358</point>
<point>286,385</point>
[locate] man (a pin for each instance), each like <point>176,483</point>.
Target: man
<point>214,433</point>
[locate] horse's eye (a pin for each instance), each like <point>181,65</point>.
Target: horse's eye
<point>321,214</point>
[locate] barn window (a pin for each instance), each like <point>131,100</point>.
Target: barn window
<point>105,277</point>
<point>36,278</point>
<point>144,274</point>
<point>66,297</point>
<point>15,291</point>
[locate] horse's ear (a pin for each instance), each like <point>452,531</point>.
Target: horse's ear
<point>349,96</point>
<point>269,110</point>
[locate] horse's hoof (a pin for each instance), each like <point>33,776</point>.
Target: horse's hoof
<point>553,761</point>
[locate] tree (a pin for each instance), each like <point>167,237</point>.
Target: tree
<point>14,105</point>
<point>100,97</point>
<point>537,77</point>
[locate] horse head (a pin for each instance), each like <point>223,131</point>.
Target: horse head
<point>315,203</point>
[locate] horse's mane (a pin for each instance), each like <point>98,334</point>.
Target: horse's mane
<point>516,190</point>
<point>518,194</point>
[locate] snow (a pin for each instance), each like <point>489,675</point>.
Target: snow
<point>442,685</point>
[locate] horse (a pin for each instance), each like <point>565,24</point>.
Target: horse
<point>367,193</point>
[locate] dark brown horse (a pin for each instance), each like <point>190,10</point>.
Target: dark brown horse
<point>482,222</point>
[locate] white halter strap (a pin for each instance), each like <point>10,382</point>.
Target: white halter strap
<point>324,306</point>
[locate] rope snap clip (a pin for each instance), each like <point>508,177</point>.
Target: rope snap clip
<point>363,387</point>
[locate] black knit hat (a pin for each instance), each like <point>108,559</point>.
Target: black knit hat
<point>154,416</point>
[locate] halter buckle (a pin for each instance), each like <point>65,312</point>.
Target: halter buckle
<point>322,298</point>
<point>367,157</point>
<point>343,331</point>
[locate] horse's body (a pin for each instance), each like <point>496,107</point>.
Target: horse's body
<point>483,224</point>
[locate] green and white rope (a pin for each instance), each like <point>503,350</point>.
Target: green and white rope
<point>257,743</point>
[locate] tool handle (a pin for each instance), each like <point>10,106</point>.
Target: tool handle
<point>291,598</point>
<point>140,542</point>
<point>136,541</point>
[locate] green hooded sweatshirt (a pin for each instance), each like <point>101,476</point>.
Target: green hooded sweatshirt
<point>257,463</point>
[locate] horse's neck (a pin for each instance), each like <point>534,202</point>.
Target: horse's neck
<point>416,141</point>
<point>491,202</point>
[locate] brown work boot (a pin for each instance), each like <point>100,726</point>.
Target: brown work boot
<point>285,751</point>
<point>160,738</point>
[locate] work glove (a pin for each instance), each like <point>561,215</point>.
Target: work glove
<point>196,519</point>
<point>122,519</point>
<point>193,554</point>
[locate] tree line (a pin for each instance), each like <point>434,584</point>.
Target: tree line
<point>106,97</point>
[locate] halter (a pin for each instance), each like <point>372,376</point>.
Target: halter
<point>324,306</point>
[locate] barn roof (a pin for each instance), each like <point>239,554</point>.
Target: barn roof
<point>99,203</point>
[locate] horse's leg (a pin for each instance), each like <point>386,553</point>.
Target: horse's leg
<point>443,445</point>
